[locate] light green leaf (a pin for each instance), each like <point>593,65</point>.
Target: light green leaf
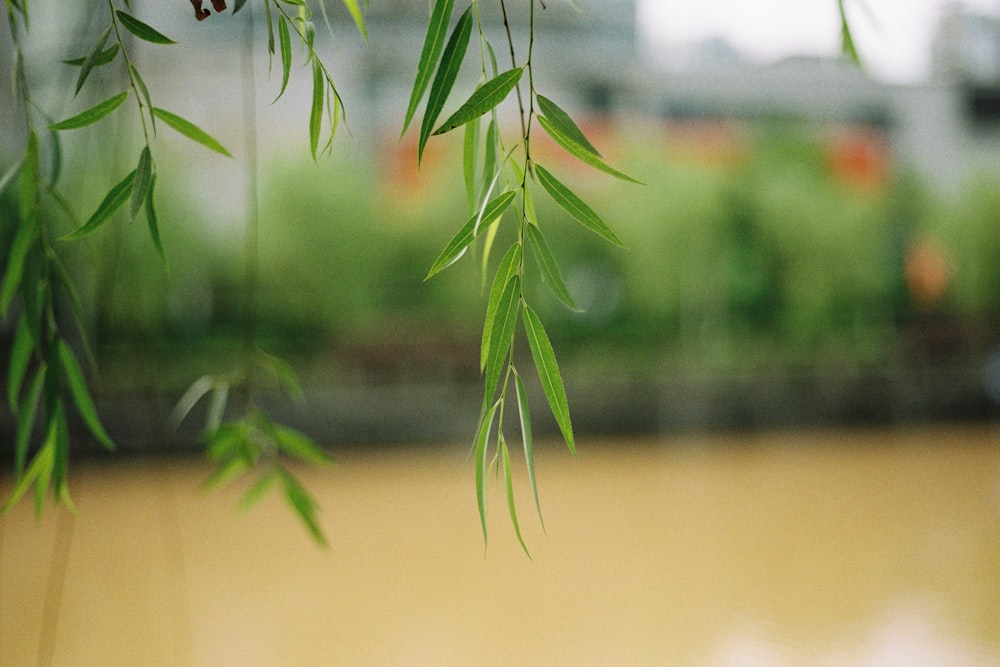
<point>447,73</point>
<point>486,97</point>
<point>502,334</point>
<point>488,215</point>
<point>575,206</point>
<point>227,470</point>
<point>437,29</point>
<point>359,18</point>
<point>508,479</point>
<point>142,30</point>
<point>562,121</point>
<point>579,152</point>
<point>117,196</point>
<point>281,370</point>
<point>548,372</point>
<point>303,504</point>
<point>38,472</point>
<point>299,445</point>
<point>285,44</point>
<point>91,115</point>
<point>549,268</point>
<point>509,265</point>
<point>316,114</point>
<point>527,439</point>
<point>141,184</point>
<point>253,495</point>
<point>481,445</point>
<point>190,130</point>
<point>847,45</point>
<point>81,395</point>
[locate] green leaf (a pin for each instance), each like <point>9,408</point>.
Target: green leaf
<point>486,97</point>
<point>26,421</point>
<point>189,399</point>
<point>562,121</point>
<point>39,471</point>
<point>502,333</point>
<point>144,92</point>
<point>481,445</point>
<point>20,357</point>
<point>227,470</point>
<point>299,445</point>
<point>579,152</point>
<point>359,18</point>
<point>285,45</point>
<point>316,114</point>
<point>81,395</point>
<point>433,44</point>
<point>28,196</point>
<point>141,184</point>
<point>142,30</point>
<point>91,115</point>
<point>509,265</point>
<point>508,479</point>
<point>91,61</point>
<point>12,171</point>
<point>270,33</point>
<point>548,372</point>
<point>117,196</point>
<point>444,81</point>
<point>190,130</point>
<point>575,206</point>
<point>489,214</point>
<point>253,495</point>
<point>303,504</point>
<point>549,268</point>
<point>238,5</point>
<point>24,240</point>
<point>527,440</point>
<point>847,45</point>
<point>154,227</point>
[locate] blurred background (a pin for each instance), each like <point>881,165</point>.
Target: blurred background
<point>791,375</point>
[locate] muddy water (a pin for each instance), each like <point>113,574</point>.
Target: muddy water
<point>781,549</point>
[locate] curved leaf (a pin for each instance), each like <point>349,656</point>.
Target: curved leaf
<point>81,395</point>
<point>142,30</point>
<point>549,268</point>
<point>429,54</point>
<point>285,44</point>
<point>486,97</point>
<point>508,479</point>
<point>575,206</point>
<point>548,372</point>
<point>359,18</point>
<point>117,196</point>
<point>94,58</point>
<point>579,152</point>
<point>142,183</point>
<point>467,234</point>
<point>561,120</point>
<point>508,267</point>
<point>502,333</point>
<point>451,63</point>
<point>481,445</point>
<point>316,113</point>
<point>190,130</point>
<point>527,440</point>
<point>91,115</point>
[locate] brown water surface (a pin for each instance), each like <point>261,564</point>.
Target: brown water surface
<point>867,548</point>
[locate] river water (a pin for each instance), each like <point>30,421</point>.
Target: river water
<point>863,548</point>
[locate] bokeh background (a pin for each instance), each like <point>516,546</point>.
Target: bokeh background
<point>785,389</point>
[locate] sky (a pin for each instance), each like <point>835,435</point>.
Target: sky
<point>892,36</point>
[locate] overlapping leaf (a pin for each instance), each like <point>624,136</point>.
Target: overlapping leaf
<point>451,63</point>
<point>549,268</point>
<point>488,215</point>
<point>485,98</point>
<point>142,30</point>
<point>548,372</point>
<point>581,153</point>
<point>437,30</point>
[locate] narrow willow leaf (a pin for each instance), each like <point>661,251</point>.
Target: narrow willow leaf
<point>189,399</point>
<point>548,372</point>
<point>486,97</point>
<point>508,479</point>
<point>270,32</point>
<point>44,477</point>
<point>447,73</point>
<point>24,241</point>
<point>527,439</point>
<point>91,61</point>
<point>20,357</point>
<point>217,401</point>
<point>144,92</point>
<point>190,130</point>
<point>26,421</point>
<point>81,395</point>
<point>260,487</point>
<point>581,153</point>
<point>60,462</point>
<point>285,45</point>
<point>227,470</point>
<point>142,30</point>
<point>151,222</point>
<point>488,215</point>
<point>359,18</point>
<point>141,184</point>
<point>316,114</point>
<point>117,196</point>
<point>575,206</point>
<point>40,470</point>
<point>102,58</point>
<point>91,115</point>
<point>281,371</point>
<point>550,269</point>
<point>437,29</point>
<point>561,120</point>
<point>502,334</point>
<point>303,504</point>
<point>847,45</point>
<point>299,445</point>
<point>509,265</point>
<point>481,445</point>
<point>60,280</point>
<point>490,152</point>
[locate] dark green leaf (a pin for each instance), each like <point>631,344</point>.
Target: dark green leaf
<point>579,152</point>
<point>316,114</point>
<point>509,265</point>
<point>270,32</point>
<point>486,97</point>
<point>285,45</point>
<point>141,184</point>
<point>489,214</point>
<point>527,439</point>
<point>142,30</point>
<point>60,280</point>
<point>481,445</point>
<point>91,61</point>
<point>508,479</point>
<point>502,333</point>
<point>575,206</point>
<point>281,371</point>
<point>303,504</point>
<point>238,5</point>
<point>24,240</point>
<point>20,356</point>
<point>103,58</point>
<point>451,63</point>
<point>28,196</point>
<point>26,421</point>
<point>91,115</point>
<point>549,268</point>
<point>437,30</point>
<point>117,196</point>
<point>190,130</point>
<point>548,372</point>
<point>154,227</point>
<point>8,176</point>
<point>561,120</point>
<point>81,395</point>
